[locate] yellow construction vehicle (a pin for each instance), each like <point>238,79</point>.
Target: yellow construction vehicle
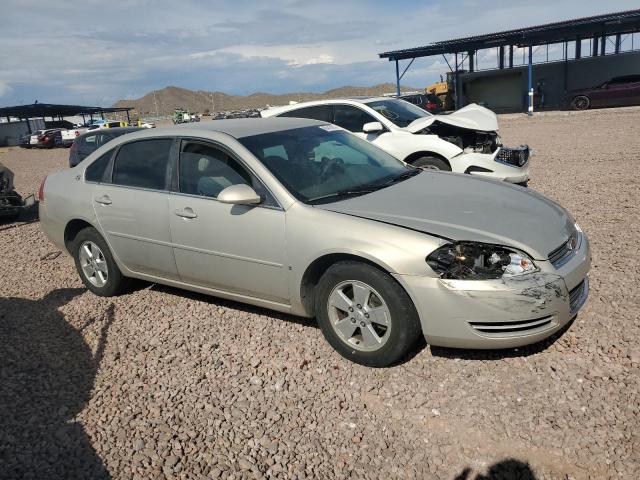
<point>444,90</point>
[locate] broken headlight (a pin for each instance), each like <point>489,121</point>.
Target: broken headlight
<point>478,261</point>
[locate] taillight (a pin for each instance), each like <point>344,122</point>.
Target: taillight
<point>431,106</point>
<point>77,133</point>
<point>41,191</point>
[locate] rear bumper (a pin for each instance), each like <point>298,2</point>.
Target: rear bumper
<point>504,313</point>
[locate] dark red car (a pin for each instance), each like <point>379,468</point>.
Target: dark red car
<point>427,101</point>
<point>47,138</point>
<point>617,92</point>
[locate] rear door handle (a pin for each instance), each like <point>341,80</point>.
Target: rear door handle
<point>186,213</point>
<point>104,200</point>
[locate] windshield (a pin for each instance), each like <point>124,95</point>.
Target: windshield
<point>325,163</point>
<point>400,112</point>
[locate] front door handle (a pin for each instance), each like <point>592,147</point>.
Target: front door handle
<point>186,213</point>
<point>104,200</point>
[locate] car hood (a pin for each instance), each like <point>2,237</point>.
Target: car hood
<point>462,207</point>
<point>471,117</point>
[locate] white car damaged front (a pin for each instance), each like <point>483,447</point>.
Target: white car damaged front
<point>471,134</point>
<point>465,141</point>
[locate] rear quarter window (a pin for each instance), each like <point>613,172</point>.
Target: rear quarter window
<point>143,164</point>
<point>96,172</point>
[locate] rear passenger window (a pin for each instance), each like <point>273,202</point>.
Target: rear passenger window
<point>96,171</point>
<point>143,164</point>
<point>319,112</point>
<point>351,118</point>
<point>89,140</point>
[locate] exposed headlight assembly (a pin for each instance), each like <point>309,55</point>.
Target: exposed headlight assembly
<point>478,261</point>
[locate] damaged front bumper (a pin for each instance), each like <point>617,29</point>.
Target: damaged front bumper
<point>503,313</point>
<point>12,205</point>
<point>506,164</point>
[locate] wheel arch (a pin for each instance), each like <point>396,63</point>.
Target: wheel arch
<point>71,230</point>
<point>320,265</point>
<point>416,155</point>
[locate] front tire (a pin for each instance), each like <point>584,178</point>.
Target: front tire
<point>431,163</point>
<point>365,315</point>
<point>581,102</point>
<point>95,264</point>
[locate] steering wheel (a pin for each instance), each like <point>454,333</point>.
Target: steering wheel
<point>328,165</point>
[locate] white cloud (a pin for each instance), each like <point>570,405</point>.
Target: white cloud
<point>240,46</point>
<point>4,88</point>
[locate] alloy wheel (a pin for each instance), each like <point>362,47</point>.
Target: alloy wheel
<point>93,264</point>
<point>359,315</point>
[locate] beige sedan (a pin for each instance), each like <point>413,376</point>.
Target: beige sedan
<point>304,217</point>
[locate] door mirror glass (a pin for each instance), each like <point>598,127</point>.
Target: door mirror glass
<point>372,127</point>
<point>240,194</point>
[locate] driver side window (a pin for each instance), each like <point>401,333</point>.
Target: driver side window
<point>206,170</point>
<point>351,118</point>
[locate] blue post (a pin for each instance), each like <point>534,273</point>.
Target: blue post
<point>530,83</point>
<point>397,78</point>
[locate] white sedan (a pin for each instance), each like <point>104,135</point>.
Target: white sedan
<point>465,141</point>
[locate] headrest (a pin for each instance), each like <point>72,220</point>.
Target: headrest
<point>203,164</point>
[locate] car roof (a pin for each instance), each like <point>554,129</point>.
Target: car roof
<point>243,127</point>
<point>311,103</point>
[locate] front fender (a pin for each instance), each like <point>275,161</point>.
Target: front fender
<point>313,233</point>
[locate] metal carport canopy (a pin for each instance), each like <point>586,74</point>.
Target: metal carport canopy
<point>37,110</point>
<point>598,25</point>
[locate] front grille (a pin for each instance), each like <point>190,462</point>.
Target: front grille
<point>516,157</point>
<point>578,296</point>
<point>562,254</point>
<point>509,329</point>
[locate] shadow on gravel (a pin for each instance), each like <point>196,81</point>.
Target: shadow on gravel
<point>499,354</point>
<point>46,376</point>
<point>509,469</point>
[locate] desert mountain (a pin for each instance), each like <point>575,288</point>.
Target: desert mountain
<point>166,100</point>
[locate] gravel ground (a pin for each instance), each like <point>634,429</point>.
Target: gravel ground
<point>160,383</point>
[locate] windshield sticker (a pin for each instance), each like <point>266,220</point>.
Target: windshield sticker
<point>330,128</point>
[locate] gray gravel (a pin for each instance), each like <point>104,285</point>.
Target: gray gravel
<point>161,383</point>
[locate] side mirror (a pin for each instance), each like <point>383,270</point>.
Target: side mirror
<point>372,127</point>
<point>240,194</point>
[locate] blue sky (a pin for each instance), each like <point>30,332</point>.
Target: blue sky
<point>96,52</point>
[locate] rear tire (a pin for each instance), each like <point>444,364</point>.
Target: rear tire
<point>374,323</point>
<point>95,264</point>
<point>431,163</point>
<point>581,102</point>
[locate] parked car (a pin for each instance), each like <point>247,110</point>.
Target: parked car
<point>465,141</point>
<point>303,217</point>
<point>89,142</point>
<point>11,202</point>
<point>617,92</point>
<point>47,138</point>
<point>68,136</point>
<point>30,140</point>
<point>25,140</point>
<point>427,101</point>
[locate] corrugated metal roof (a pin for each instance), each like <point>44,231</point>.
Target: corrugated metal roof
<point>609,23</point>
<point>52,110</point>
